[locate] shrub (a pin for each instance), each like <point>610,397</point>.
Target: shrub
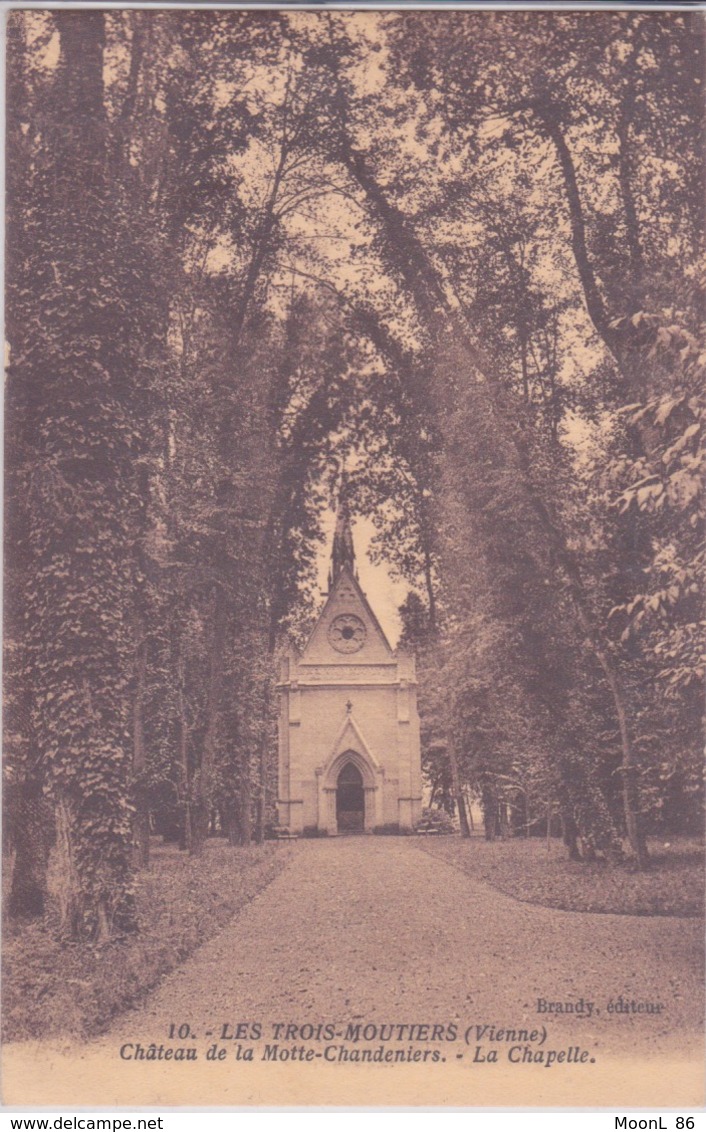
<point>434,821</point>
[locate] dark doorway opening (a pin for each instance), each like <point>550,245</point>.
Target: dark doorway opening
<point>350,800</point>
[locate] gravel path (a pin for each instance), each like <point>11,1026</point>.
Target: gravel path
<point>375,930</point>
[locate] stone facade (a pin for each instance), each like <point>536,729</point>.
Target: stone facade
<point>349,755</point>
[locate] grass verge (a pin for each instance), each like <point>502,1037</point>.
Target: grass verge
<point>51,987</point>
<point>673,885</point>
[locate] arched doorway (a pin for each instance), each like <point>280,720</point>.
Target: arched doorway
<point>350,800</point>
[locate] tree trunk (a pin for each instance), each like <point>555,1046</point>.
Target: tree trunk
<point>632,223</point>
<point>31,825</point>
<point>245,807</point>
<point>261,810</point>
<point>457,791</point>
<point>203,799</point>
<point>629,770</point>
<point>620,342</point>
<point>182,733</point>
<point>70,907</point>
<point>141,829</point>
<point>490,814</point>
<point>233,823</point>
<point>594,300</point>
<point>429,585</point>
<point>571,835</point>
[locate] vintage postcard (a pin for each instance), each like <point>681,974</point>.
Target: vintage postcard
<point>354,557</point>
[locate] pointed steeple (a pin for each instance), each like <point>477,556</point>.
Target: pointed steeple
<point>343,553</point>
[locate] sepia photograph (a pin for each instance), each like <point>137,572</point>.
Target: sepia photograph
<point>353,557</point>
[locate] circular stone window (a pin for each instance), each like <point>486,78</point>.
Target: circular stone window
<point>347,633</point>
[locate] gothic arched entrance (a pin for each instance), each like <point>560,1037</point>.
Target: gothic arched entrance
<point>350,800</point>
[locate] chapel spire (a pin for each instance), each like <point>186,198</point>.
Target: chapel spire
<point>343,553</point>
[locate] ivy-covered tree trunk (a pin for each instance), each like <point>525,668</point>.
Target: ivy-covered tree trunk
<point>27,819</point>
<point>82,497</point>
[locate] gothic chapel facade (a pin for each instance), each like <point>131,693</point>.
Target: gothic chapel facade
<point>349,755</point>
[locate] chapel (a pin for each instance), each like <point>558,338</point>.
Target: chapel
<point>349,751</point>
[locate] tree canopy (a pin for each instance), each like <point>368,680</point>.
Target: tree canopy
<point>457,251</point>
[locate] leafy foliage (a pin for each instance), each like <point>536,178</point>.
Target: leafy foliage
<point>456,251</point>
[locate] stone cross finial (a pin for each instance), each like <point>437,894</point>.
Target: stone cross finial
<point>349,707</point>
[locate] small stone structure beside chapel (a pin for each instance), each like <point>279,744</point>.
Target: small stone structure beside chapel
<point>349,754</point>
